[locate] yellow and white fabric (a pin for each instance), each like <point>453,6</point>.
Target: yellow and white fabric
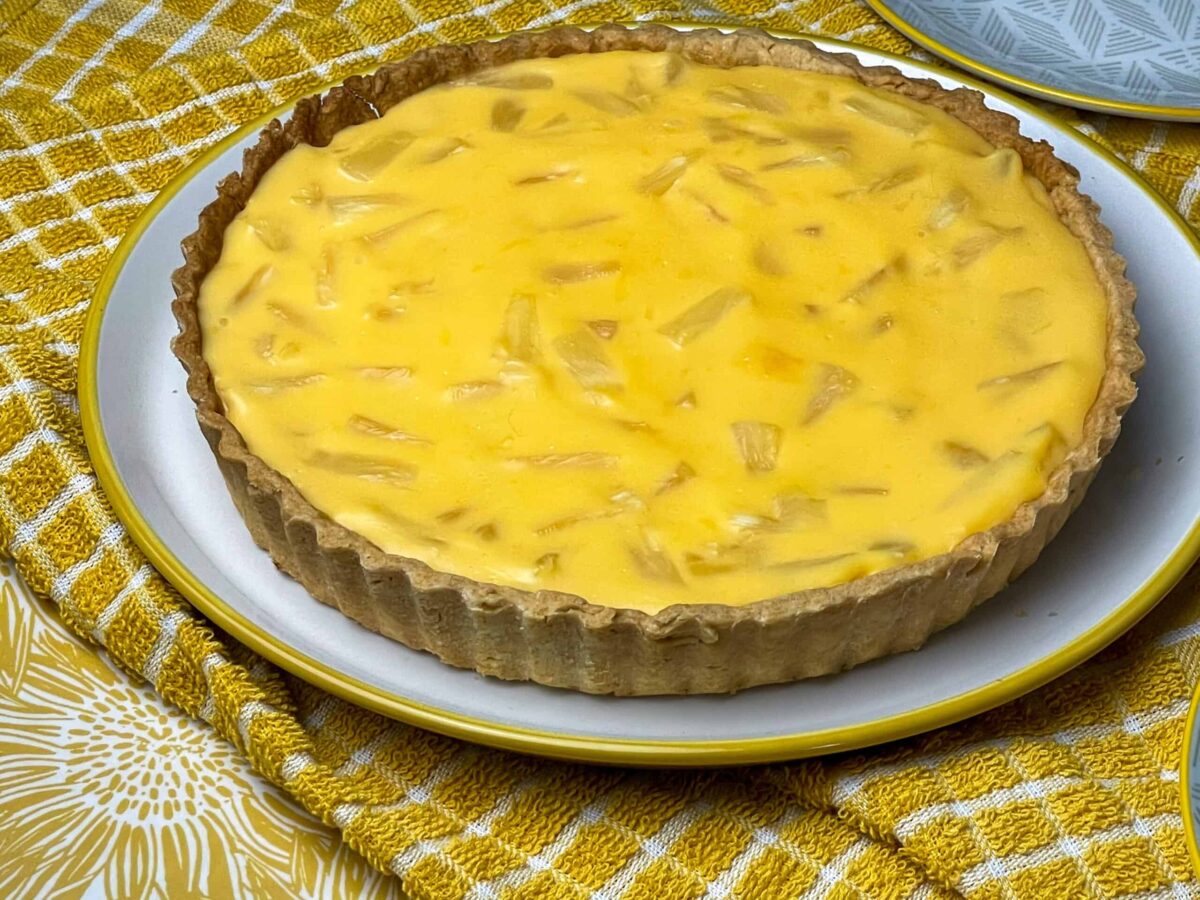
<point>1070,792</point>
<point>111,792</point>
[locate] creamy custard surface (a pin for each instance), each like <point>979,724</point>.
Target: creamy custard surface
<point>651,332</point>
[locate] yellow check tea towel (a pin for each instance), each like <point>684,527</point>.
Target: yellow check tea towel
<point>1070,792</point>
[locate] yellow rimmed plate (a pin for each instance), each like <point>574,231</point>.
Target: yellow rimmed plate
<point>1134,536</point>
<point>1134,59</point>
<point>1189,780</point>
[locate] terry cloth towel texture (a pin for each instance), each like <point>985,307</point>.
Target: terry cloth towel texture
<point>1070,792</point>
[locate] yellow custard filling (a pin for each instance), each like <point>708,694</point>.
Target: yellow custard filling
<point>652,332</point>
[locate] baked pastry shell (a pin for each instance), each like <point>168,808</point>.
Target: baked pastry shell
<point>563,640</point>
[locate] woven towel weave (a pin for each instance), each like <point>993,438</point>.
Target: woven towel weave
<point>1071,792</point>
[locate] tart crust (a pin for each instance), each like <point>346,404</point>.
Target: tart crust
<point>563,640</point>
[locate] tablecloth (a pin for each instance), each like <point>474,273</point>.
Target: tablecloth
<point>106,790</point>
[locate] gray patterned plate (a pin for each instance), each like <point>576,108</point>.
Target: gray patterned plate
<point>1133,57</point>
<point>1189,777</point>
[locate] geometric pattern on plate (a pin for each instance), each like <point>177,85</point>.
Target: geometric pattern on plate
<point>1144,52</point>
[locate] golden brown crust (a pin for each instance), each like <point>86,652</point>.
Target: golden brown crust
<point>562,640</point>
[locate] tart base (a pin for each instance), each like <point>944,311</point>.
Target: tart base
<point>563,640</point>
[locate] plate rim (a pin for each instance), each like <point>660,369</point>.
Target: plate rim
<point>1027,85</point>
<point>584,748</point>
<point>1188,811</point>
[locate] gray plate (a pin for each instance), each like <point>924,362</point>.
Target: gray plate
<point>1133,57</point>
<point>1133,537</point>
<point>1190,780</point>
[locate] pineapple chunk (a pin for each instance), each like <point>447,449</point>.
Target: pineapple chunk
<point>367,161</point>
<point>757,444</point>
<point>703,315</point>
<point>586,360</point>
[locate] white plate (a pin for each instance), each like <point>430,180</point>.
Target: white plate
<point>1134,536</point>
<point>1132,57</point>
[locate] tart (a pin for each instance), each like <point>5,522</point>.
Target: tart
<point>643,362</point>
